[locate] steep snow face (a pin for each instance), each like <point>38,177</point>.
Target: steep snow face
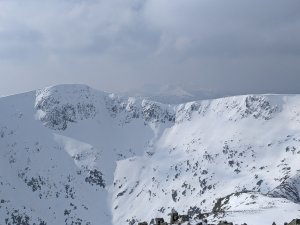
<point>289,188</point>
<point>74,155</point>
<point>214,149</point>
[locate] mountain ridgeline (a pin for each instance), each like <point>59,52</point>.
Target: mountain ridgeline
<point>70,154</point>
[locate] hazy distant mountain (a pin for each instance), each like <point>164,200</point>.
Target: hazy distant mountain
<point>70,154</point>
<point>172,94</point>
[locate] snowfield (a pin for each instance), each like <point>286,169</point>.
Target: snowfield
<point>70,154</point>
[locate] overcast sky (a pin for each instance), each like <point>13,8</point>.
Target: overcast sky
<point>239,46</point>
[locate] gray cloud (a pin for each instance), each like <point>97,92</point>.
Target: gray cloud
<point>233,45</point>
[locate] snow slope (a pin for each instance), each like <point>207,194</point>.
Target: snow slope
<point>74,155</point>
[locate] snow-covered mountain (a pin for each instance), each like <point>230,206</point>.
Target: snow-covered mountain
<point>74,155</point>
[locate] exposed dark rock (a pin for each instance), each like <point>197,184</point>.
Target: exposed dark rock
<point>95,178</point>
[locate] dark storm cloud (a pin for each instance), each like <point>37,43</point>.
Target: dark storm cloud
<point>233,45</point>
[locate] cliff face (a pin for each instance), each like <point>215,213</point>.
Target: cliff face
<point>74,155</point>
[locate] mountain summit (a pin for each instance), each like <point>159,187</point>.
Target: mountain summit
<point>74,155</point>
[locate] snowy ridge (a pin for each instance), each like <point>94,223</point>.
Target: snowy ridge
<point>232,108</point>
<point>74,155</point>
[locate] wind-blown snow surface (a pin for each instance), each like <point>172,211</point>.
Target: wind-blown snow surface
<point>73,155</point>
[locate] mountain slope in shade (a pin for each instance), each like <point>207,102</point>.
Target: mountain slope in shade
<point>74,155</point>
